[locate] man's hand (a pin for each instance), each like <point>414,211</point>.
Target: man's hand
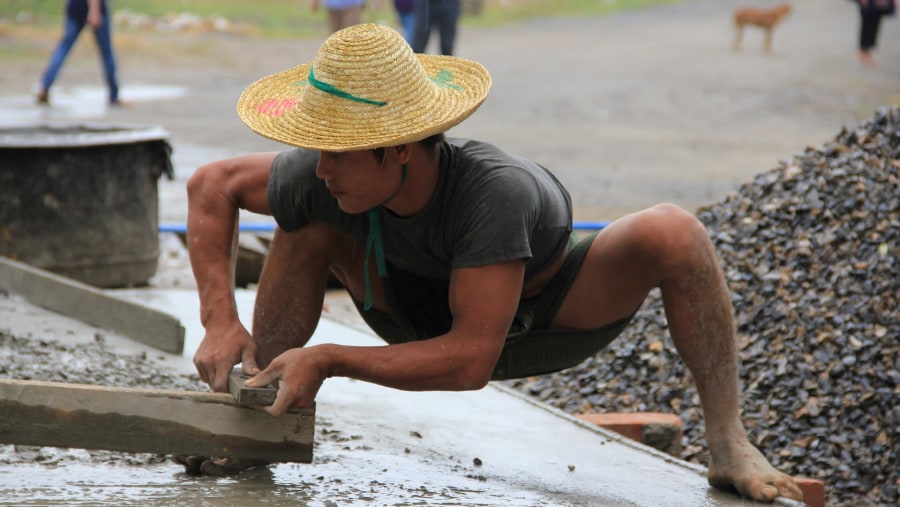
<point>220,350</point>
<point>300,373</point>
<point>95,14</point>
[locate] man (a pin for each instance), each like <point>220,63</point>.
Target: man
<point>95,14</point>
<point>456,253</point>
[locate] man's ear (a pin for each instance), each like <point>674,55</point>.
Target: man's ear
<point>403,152</point>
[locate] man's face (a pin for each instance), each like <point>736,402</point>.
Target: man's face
<point>357,179</point>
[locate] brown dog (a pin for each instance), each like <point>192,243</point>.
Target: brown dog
<point>766,19</point>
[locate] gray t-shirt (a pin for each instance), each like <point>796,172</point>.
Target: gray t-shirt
<point>488,207</point>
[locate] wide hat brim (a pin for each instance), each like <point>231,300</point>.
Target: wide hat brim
<point>367,90</point>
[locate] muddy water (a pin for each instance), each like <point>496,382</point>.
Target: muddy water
<point>388,481</point>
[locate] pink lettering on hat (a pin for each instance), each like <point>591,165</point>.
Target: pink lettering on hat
<point>276,107</point>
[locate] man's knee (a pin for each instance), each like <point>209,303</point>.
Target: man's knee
<point>314,238</point>
<point>673,235</point>
<point>319,246</point>
<point>678,220</point>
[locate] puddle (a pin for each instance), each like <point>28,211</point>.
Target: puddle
<point>78,103</point>
<point>346,471</point>
<point>381,482</point>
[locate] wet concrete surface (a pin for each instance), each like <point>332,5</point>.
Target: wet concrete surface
<point>374,446</point>
<point>651,106</point>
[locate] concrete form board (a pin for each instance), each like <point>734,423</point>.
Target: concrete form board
<point>92,306</point>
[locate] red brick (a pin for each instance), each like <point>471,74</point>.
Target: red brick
<point>813,491</point>
<point>643,427</point>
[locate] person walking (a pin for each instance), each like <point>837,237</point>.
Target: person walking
<point>442,15</point>
<point>78,13</point>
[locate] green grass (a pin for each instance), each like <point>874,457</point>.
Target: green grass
<point>498,13</point>
<point>293,18</point>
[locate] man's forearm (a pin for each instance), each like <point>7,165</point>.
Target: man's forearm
<point>212,257</point>
<point>216,192</point>
<point>441,363</point>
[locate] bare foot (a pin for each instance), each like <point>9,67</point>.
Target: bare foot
<point>866,59</point>
<point>744,469</point>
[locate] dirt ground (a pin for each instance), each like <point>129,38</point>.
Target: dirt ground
<point>627,110</point>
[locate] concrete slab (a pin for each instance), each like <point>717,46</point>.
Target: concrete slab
<point>378,446</point>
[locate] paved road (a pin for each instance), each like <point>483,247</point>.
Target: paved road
<point>628,110</point>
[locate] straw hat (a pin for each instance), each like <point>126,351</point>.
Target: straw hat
<point>365,89</point>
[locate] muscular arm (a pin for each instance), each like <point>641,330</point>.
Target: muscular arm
<point>216,192</point>
<point>483,301</point>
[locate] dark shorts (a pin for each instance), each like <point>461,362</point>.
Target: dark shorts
<point>531,348</point>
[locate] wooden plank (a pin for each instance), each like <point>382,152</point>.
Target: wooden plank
<point>249,396</point>
<point>157,421</point>
<point>92,306</point>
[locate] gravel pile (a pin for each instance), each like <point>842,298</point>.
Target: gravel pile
<point>810,251</point>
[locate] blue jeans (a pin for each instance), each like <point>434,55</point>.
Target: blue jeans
<point>104,43</point>
<point>444,14</point>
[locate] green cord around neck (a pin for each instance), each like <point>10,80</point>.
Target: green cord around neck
<point>375,241</point>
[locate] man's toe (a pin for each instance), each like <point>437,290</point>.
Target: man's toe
<point>788,488</point>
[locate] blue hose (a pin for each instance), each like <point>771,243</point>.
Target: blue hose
<point>251,227</point>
